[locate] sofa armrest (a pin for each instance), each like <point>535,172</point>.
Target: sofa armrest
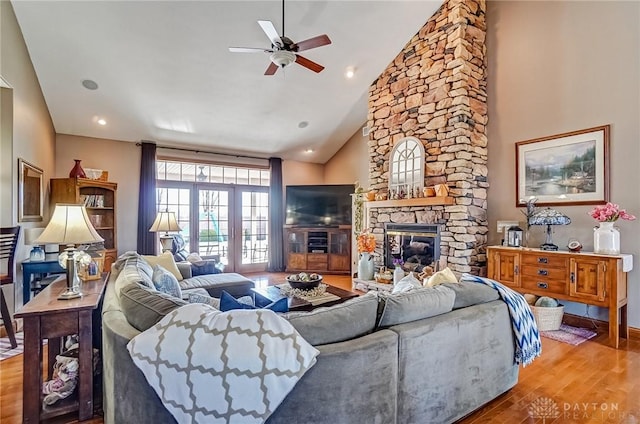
<point>185,269</point>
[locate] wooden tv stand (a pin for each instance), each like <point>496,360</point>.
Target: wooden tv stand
<point>318,249</point>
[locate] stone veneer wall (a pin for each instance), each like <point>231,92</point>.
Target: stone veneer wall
<point>435,90</point>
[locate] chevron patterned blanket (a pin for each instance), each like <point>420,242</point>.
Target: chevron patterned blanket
<point>209,366</point>
<point>525,330</point>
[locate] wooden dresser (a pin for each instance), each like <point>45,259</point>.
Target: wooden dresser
<point>590,278</point>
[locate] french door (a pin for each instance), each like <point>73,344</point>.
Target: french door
<point>230,222</point>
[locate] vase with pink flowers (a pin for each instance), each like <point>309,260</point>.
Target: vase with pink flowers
<point>606,237</point>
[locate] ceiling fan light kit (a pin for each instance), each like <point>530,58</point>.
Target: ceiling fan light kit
<point>282,58</point>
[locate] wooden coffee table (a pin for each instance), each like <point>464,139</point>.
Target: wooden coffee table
<point>272,294</point>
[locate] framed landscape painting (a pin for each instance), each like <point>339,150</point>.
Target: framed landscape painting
<point>564,169</point>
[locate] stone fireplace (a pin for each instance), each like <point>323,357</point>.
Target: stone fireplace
<point>435,91</point>
<point>417,245</point>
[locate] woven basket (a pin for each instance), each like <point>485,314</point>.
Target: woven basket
<point>548,319</point>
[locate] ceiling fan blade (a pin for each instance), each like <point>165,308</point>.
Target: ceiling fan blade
<point>315,67</point>
<point>249,50</point>
<point>271,32</point>
<point>311,43</point>
<point>271,69</point>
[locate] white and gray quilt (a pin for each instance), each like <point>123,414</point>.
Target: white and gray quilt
<point>209,366</point>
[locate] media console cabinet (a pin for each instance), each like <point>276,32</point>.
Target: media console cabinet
<point>590,278</point>
<point>318,249</point>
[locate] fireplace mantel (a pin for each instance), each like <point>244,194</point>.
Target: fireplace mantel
<point>416,201</point>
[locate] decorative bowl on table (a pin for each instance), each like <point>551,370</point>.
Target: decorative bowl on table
<point>304,281</point>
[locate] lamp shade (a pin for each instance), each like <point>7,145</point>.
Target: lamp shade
<point>165,221</point>
<point>69,224</point>
<point>549,217</point>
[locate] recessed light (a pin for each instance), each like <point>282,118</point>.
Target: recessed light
<point>303,124</point>
<point>90,84</point>
<point>101,121</point>
<point>350,72</point>
<point>309,151</point>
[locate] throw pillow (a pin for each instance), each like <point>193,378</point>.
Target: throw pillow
<point>133,269</point>
<point>228,303</point>
<point>414,305</point>
<point>194,257</point>
<point>144,307</point>
<point>166,282</point>
<point>204,268</point>
<point>444,276</point>
<point>407,283</point>
<point>166,261</point>
<point>207,300</point>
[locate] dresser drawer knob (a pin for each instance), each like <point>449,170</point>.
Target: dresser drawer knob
<point>543,272</point>
<point>542,285</point>
<point>542,260</point>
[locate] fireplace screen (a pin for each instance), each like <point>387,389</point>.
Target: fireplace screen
<point>417,245</point>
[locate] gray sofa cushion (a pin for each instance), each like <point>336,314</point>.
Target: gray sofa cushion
<point>337,323</point>
<point>144,307</point>
<point>468,294</point>
<point>414,305</point>
<point>231,282</point>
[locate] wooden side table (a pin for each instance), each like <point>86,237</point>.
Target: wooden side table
<point>46,317</point>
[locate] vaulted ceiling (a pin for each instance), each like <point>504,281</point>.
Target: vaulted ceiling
<point>164,71</point>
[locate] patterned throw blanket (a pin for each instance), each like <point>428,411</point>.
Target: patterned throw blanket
<point>209,366</point>
<point>525,330</point>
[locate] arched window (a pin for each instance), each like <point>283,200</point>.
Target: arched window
<point>406,171</point>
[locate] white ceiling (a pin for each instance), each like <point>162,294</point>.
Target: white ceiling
<point>165,73</point>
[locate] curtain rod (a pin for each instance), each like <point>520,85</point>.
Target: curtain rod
<point>184,149</point>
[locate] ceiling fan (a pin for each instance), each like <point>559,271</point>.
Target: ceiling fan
<point>284,51</point>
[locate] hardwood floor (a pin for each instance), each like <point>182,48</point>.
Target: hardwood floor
<point>589,383</point>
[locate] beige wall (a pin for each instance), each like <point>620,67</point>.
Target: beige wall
<point>301,173</point>
<point>33,135</point>
<point>350,163</point>
<point>556,67</point>
<point>122,160</point>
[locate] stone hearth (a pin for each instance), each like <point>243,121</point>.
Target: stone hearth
<point>435,90</point>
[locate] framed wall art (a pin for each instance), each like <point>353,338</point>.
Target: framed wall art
<point>564,169</point>
<point>30,192</point>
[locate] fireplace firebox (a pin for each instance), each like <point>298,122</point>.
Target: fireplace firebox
<point>417,245</point>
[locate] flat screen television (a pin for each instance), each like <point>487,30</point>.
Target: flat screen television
<point>319,205</point>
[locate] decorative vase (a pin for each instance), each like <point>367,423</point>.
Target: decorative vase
<point>77,171</point>
<point>398,274</point>
<point>365,266</point>
<point>606,239</point>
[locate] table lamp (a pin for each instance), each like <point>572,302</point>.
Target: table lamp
<point>549,217</point>
<point>165,221</point>
<point>70,225</point>
<point>30,237</point>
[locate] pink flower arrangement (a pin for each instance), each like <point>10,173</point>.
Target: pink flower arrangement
<point>610,213</point>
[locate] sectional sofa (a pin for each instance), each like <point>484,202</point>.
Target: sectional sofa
<point>383,359</point>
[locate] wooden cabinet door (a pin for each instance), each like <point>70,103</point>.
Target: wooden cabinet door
<point>587,278</point>
<point>504,267</point>
<point>296,247</point>
<point>339,250</point>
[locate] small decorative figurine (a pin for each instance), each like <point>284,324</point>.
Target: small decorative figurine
<point>574,245</point>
